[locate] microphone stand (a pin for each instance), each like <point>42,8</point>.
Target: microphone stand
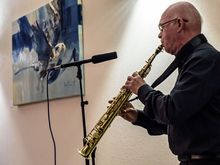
<point>95,59</point>
<point>83,103</point>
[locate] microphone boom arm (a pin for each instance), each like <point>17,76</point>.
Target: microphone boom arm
<point>95,59</point>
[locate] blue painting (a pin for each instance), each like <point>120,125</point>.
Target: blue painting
<point>41,40</point>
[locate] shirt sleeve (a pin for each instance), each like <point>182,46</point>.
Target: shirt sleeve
<point>152,127</point>
<point>195,86</point>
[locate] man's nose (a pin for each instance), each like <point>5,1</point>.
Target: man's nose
<point>160,35</point>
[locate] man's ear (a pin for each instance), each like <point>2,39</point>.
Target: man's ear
<point>180,24</point>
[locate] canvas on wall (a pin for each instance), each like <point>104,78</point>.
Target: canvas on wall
<point>42,39</point>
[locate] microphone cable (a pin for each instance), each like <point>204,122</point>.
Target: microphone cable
<point>48,112</point>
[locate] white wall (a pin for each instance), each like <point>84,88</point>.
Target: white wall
<point>126,26</point>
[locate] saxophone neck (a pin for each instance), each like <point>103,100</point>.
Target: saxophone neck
<point>158,50</point>
<point>146,69</point>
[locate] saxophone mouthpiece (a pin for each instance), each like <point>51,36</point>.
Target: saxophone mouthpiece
<point>159,49</point>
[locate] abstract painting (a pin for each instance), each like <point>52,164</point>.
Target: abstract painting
<point>42,39</point>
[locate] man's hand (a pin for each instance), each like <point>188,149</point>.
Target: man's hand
<point>134,82</point>
<point>128,112</point>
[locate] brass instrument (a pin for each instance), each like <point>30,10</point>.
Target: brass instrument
<point>105,121</point>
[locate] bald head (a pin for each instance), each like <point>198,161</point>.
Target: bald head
<point>179,24</point>
<point>186,11</point>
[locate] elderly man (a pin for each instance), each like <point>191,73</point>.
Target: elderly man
<point>190,114</point>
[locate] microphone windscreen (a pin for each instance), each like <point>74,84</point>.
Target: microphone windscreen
<point>104,57</point>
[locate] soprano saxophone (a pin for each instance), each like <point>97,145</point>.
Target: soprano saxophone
<point>92,139</point>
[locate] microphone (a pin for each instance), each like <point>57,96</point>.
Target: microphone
<point>95,59</point>
<point>103,57</point>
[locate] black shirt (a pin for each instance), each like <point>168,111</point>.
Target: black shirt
<point>190,114</point>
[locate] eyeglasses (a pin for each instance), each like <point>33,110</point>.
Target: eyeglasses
<point>161,26</point>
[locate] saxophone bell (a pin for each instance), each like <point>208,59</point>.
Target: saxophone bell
<point>83,153</point>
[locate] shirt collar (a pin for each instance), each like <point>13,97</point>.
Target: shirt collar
<point>188,48</point>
